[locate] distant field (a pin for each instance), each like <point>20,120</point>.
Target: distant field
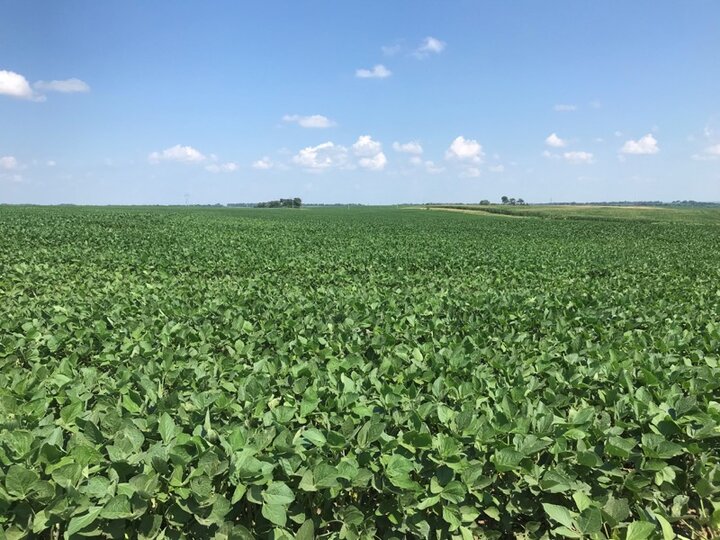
<point>359,373</point>
<point>639,213</point>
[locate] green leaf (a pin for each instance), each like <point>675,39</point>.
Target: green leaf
<point>589,521</point>
<point>452,516</point>
<point>306,531</point>
<point>20,481</point>
<point>454,492</point>
<point>507,459</point>
<point>351,515</point>
<point>78,523</point>
<point>275,513</point>
<point>620,447</point>
<point>617,509</point>
<point>667,530</point>
<point>559,514</point>
<point>655,446</point>
<point>315,437</point>
<point>639,530</point>
<point>117,508</point>
<point>398,469</point>
<point>278,493</point>
<point>166,426</point>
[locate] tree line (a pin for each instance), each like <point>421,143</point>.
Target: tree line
<point>281,203</point>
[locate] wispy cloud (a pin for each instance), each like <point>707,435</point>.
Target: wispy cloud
<point>430,45</point>
<point>178,153</point>
<point>391,50</point>
<point>262,164</point>
<point>565,107</point>
<point>222,167</point>
<point>67,86</point>
<point>312,121</point>
<point>9,163</point>
<point>578,156</point>
<point>711,153</point>
<point>412,147</point>
<point>377,72</point>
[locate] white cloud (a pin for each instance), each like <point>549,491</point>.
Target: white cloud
<point>555,141</point>
<point>370,153</point>
<point>222,167</point>
<point>262,164</point>
<point>374,163</point>
<point>496,168</point>
<point>15,85</point>
<point>312,121</point>
<point>377,72</point>
<point>182,154</point>
<point>578,157</point>
<point>644,145</point>
<point>9,163</point>
<point>430,45</point>
<point>412,147</point>
<point>321,157</point>
<point>67,86</point>
<point>51,163</point>
<point>463,149</point>
<point>564,107</point>
<point>709,154</point>
<point>366,146</point>
<point>618,133</point>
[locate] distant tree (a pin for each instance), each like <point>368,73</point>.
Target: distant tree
<point>505,199</point>
<point>512,201</point>
<point>281,203</point>
<point>520,201</point>
<point>484,202</point>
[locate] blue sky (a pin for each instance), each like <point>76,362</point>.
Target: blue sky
<point>119,102</point>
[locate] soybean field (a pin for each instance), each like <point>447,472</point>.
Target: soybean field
<point>357,373</point>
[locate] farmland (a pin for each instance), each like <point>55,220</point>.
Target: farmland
<point>363,373</point>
